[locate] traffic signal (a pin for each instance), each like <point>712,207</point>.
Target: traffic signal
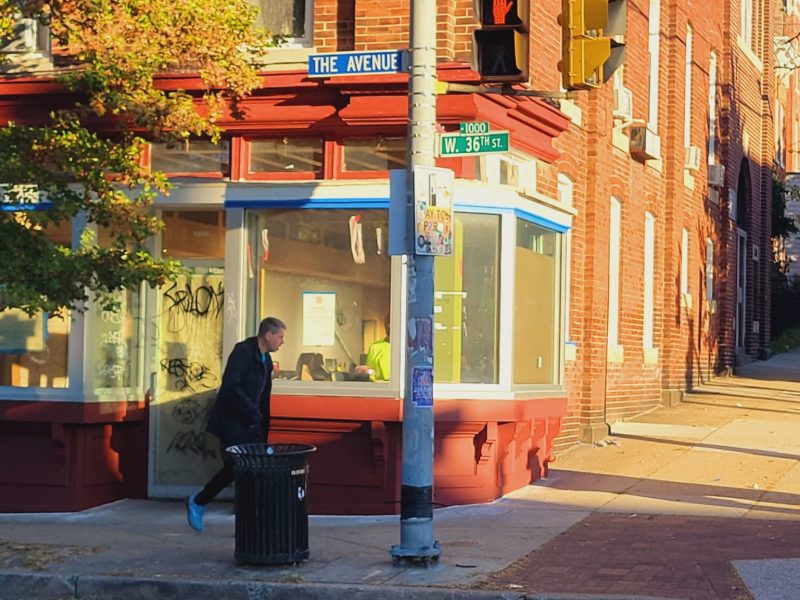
<point>500,45</point>
<point>589,54</point>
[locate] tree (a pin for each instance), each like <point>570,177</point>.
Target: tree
<point>785,293</point>
<point>86,160</point>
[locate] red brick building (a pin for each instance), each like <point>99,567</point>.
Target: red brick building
<point>616,256</point>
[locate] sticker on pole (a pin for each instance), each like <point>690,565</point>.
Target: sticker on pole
<point>433,211</point>
<point>422,386</point>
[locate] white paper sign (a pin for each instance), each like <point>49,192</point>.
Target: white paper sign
<point>319,318</point>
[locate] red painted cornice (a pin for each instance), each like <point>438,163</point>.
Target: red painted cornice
<point>291,101</point>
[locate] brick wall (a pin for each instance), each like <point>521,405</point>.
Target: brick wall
<point>693,341</point>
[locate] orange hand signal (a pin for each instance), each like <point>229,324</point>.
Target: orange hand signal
<point>500,9</point>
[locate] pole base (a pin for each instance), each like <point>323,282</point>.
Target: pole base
<point>416,557</point>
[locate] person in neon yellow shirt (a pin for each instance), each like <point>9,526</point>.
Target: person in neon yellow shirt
<point>379,359</point>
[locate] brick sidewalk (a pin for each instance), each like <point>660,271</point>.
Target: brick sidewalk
<point>652,555</point>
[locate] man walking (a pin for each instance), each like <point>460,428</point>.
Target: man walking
<point>240,414</point>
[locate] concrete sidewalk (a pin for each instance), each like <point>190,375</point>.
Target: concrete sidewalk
<point>684,502</point>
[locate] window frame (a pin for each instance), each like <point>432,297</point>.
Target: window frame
<point>247,174</point>
<point>75,353</point>
<point>147,158</point>
<point>337,157</point>
<point>472,197</point>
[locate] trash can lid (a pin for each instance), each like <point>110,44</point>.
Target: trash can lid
<point>261,449</point>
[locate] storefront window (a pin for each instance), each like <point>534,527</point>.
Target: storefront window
<point>193,234</point>
<point>116,344</point>
<point>195,157</point>
<point>286,155</point>
<point>537,287</point>
<point>33,350</point>
<point>115,335</point>
<point>374,154</point>
<point>327,275</point>
<point>466,293</point>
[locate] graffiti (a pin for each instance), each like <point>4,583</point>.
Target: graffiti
<point>110,373</point>
<point>189,375</point>
<point>112,316</point>
<point>188,411</point>
<point>192,442</point>
<point>231,309</point>
<point>202,301</point>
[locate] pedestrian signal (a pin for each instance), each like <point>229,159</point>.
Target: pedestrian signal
<point>500,45</point>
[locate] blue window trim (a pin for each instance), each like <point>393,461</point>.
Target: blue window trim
<point>517,212</point>
<point>362,203</point>
<point>383,203</point>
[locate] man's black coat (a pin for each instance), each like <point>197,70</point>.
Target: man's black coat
<point>241,411</point>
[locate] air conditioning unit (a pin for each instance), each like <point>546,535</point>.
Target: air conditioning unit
<point>691,158</point>
<point>645,145</point>
<point>30,37</point>
<point>756,253</point>
<point>623,103</point>
<point>716,175</point>
<point>711,307</point>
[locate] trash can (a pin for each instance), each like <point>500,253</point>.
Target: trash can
<point>271,502</point>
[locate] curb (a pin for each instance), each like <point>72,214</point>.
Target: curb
<point>26,586</point>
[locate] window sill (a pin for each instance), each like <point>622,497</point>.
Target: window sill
<point>620,139</point>
<point>651,356</point>
<point>656,164</point>
<point>748,52</point>
<point>571,110</point>
<point>282,59</point>
<point>616,354</point>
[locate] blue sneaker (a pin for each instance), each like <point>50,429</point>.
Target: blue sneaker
<point>194,513</point>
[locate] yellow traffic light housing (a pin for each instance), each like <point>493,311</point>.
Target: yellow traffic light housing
<point>589,54</point>
<point>500,51</point>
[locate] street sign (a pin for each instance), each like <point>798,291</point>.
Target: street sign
<point>476,127</point>
<point>22,197</point>
<point>378,62</point>
<point>457,144</point>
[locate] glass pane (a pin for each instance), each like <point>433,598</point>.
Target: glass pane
<point>194,234</point>
<point>536,324</point>
<point>116,344</point>
<point>374,154</point>
<point>196,157</point>
<point>466,292</point>
<point>286,155</point>
<point>284,17</point>
<point>189,364</point>
<point>33,350</point>
<point>326,274</point>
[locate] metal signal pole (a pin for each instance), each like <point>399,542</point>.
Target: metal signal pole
<point>416,504</point>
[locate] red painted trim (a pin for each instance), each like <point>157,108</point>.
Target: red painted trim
<point>239,158</point>
<point>361,408</point>
<point>356,408</point>
<point>40,411</point>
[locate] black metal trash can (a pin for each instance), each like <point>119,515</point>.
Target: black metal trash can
<point>271,502</point>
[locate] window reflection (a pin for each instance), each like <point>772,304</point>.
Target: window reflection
<point>198,156</point>
<point>33,350</point>
<point>465,303</point>
<point>286,155</point>
<point>536,326</point>
<point>374,154</point>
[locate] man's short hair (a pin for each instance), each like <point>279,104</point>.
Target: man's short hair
<point>270,325</point>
